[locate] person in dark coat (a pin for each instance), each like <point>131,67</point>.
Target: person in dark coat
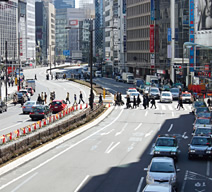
<point>134,102</point>
<point>144,101</point>
<point>209,102</point>
<point>180,103</point>
<point>147,101</point>
<point>100,98</point>
<point>39,100</point>
<point>128,101</point>
<point>153,102</point>
<point>138,100</point>
<point>81,98</point>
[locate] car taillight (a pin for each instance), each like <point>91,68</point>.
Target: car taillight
<point>41,113</point>
<point>31,113</point>
<point>23,107</point>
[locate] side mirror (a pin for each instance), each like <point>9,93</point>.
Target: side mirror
<point>189,145</point>
<point>192,134</point>
<point>145,169</point>
<point>178,170</point>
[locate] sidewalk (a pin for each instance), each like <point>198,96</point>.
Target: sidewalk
<point>10,91</point>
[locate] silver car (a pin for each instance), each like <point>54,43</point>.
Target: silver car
<point>162,170</point>
<point>158,188</point>
<point>28,106</point>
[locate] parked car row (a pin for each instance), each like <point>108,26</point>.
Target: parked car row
<point>201,142</point>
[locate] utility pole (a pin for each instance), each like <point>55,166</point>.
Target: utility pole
<point>6,69</point>
<point>173,40</point>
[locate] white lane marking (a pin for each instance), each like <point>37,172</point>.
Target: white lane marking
<point>146,113</point>
<point>184,135</point>
<point>172,114</point>
<point>140,184</point>
<point>170,107</point>
<point>81,184</point>
<point>148,134</point>
<point>25,181</point>
<point>131,147</point>
<point>163,107</point>
<point>208,169</point>
<point>138,127</point>
<point>109,147</point>
<point>108,132</point>
<point>120,132</point>
<point>109,150</point>
<point>59,154</point>
<point>10,127</point>
<point>170,128</point>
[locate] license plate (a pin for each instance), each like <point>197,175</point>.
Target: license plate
<point>56,107</point>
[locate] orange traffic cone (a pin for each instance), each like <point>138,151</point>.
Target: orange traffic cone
<point>80,106</point>
<point>109,105</point>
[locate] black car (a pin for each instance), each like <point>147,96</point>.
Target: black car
<point>200,146</point>
<point>3,106</point>
<point>40,112</point>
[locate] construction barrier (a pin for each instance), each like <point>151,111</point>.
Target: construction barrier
<point>39,124</point>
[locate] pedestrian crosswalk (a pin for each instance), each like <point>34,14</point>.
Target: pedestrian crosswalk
<point>162,107</point>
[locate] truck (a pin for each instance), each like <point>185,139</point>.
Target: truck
<point>30,83</point>
<point>128,77</point>
<point>152,80</point>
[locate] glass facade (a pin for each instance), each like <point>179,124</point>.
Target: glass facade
<point>8,29</point>
<point>62,4</point>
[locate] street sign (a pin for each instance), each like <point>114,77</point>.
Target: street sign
<point>177,66</point>
<point>66,52</point>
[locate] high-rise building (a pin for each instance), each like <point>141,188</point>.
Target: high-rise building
<point>62,4</point>
<point>30,30</point>
<point>8,29</point>
<point>45,32</point>
<point>99,51</point>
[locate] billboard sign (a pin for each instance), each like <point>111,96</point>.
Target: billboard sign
<point>151,41</point>
<point>66,52</point>
<point>73,23</point>
<point>191,34</point>
<point>169,34</point>
<point>152,10</point>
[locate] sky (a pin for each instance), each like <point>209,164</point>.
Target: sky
<point>77,3</point>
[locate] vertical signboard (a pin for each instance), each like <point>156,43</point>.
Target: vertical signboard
<point>152,10</point>
<point>169,34</point>
<point>124,6</point>
<point>151,41</point>
<point>191,34</point>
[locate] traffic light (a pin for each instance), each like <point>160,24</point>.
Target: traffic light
<point>177,66</point>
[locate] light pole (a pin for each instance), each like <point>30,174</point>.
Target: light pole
<point>91,30</point>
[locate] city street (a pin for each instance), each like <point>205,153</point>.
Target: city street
<point>112,155</point>
<point>14,118</point>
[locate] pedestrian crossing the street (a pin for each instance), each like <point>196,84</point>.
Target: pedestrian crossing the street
<point>161,107</point>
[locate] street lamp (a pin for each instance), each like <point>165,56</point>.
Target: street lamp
<point>91,30</point>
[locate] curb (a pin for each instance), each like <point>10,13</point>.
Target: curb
<point>45,148</point>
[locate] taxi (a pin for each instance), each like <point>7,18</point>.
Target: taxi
<point>166,145</point>
<point>187,97</point>
<point>202,122</point>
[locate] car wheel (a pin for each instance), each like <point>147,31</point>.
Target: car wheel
<point>33,119</point>
<point>189,157</point>
<point>23,112</point>
<point>5,109</point>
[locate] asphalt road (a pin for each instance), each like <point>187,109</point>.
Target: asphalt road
<point>112,156</point>
<point>14,118</point>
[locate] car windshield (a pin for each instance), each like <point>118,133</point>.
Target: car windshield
<point>38,109</point>
<point>134,94</point>
<point>56,103</point>
<point>154,90</point>
<point>166,94</point>
<point>203,121</point>
<point>132,90</point>
<point>165,167</point>
<point>203,131</point>
<point>186,95</point>
<point>130,77</point>
<point>202,109</point>
<point>199,104</point>
<point>174,90</point>
<point>201,141</point>
<point>29,89</point>
<point>30,103</point>
<point>206,115</point>
<point>22,92</point>
<point>165,142</point>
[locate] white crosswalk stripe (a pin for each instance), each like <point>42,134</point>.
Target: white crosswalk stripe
<point>170,107</point>
<point>163,107</point>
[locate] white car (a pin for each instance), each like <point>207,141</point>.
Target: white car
<point>131,90</point>
<point>158,188</point>
<point>166,96</point>
<point>134,94</point>
<point>162,170</point>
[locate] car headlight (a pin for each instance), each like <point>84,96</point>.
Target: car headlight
<point>173,178</point>
<point>157,152</point>
<point>150,179</point>
<point>208,152</point>
<point>173,153</point>
<point>192,151</point>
